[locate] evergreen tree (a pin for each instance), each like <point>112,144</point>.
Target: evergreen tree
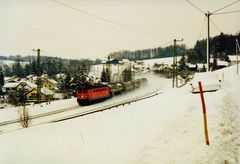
<point>17,69</point>
<point>104,76</point>
<point>1,80</point>
<point>27,70</point>
<point>214,66</point>
<point>182,69</point>
<point>34,67</point>
<point>7,70</point>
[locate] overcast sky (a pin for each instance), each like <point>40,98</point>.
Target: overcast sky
<point>70,33</point>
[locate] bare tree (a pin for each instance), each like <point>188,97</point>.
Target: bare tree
<point>24,117</point>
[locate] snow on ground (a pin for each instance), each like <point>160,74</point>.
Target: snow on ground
<point>167,128</point>
<point>34,109</point>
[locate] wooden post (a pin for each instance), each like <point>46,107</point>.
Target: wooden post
<point>204,113</point>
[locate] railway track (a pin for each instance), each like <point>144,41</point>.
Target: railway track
<point>40,115</point>
<point>79,114</point>
<point>107,107</point>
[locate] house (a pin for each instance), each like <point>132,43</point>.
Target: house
<point>16,86</point>
<point>222,64</point>
<point>10,86</point>
<point>50,84</point>
<point>192,67</point>
<point>219,62</point>
<point>45,94</point>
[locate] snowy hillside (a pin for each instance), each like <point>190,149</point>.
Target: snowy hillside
<point>167,128</point>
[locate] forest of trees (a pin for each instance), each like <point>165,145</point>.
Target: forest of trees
<point>148,53</point>
<point>220,46</point>
<point>50,65</point>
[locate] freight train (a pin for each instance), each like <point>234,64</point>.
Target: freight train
<point>90,93</point>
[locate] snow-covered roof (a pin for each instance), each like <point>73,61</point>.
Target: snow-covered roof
<point>11,85</point>
<point>191,65</point>
<point>104,62</point>
<point>200,65</point>
<point>29,76</point>
<point>222,63</point>
<point>52,81</point>
<point>31,85</point>
<point>233,58</point>
<point>16,84</point>
<point>46,91</point>
<point>125,60</point>
<point>120,62</point>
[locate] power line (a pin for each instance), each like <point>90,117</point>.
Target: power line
<point>167,43</point>
<point>215,26</point>
<point>195,6</point>
<point>226,6</point>
<point>227,12</point>
<point>107,20</point>
<point>202,28</point>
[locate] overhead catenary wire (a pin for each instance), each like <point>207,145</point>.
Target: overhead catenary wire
<point>107,20</point>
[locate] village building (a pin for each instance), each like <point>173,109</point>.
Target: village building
<point>50,84</point>
<point>45,94</point>
<point>234,59</point>
<point>16,86</point>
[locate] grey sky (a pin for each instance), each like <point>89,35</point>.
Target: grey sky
<point>64,32</point>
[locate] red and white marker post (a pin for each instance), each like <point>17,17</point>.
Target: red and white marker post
<point>204,113</point>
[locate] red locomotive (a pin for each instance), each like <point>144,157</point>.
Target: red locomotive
<point>92,93</point>
<point>89,92</point>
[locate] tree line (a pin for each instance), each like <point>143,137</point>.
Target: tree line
<point>220,47</point>
<point>49,65</point>
<point>148,53</point>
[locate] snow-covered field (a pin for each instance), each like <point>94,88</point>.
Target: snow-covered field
<point>167,128</point>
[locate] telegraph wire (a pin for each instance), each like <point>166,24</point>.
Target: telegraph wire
<point>107,20</point>
<point>227,12</point>
<point>195,6</point>
<point>225,6</point>
<point>200,34</point>
<point>215,26</point>
<point>167,43</point>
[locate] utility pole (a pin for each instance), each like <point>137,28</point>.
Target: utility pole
<point>237,51</point>
<point>38,75</point>
<point>109,70</point>
<point>173,65</point>
<point>175,72</point>
<point>208,14</point>
<point>208,41</point>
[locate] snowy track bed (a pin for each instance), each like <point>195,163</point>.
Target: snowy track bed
<point>68,113</point>
<point>67,109</point>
